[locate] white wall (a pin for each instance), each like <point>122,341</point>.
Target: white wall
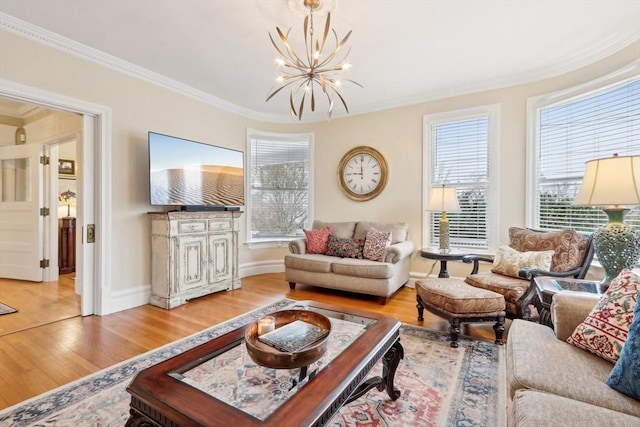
<point>138,107</point>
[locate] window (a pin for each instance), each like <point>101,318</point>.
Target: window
<point>568,132</point>
<point>279,184</point>
<point>461,150</point>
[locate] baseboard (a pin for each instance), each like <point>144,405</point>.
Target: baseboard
<point>129,298</point>
<point>261,267</point>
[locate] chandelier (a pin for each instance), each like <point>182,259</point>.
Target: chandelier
<point>316,72</point>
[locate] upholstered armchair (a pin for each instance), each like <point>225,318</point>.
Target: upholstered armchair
<point>531,253</point>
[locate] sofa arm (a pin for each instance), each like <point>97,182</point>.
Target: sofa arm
<point>569,310</point>
<point>398,251</point>
<point>298,246</point>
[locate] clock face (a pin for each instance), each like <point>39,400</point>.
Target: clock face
<point>362,173</point>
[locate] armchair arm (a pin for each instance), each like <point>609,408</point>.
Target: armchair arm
<point>398,251</point>
<point>475,259</point>
<point>569,310</point>
<point>298,246</point>
<point>530,273</point>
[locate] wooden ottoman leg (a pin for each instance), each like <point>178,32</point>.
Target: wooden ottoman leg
<point>454,330</point>
<point>499,329</point>
<point>292,285</point>
<point>420,308</point>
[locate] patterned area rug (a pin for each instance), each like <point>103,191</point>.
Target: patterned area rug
<point>5,309</point>
<point>441,386</point>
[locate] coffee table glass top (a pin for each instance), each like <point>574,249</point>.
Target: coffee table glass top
<point>230,375</point>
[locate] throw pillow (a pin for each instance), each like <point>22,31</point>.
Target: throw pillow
<point>345,248</point>
<point>605,330</point>
<point>509,262</point>
<point>375,244</point>
<point>625,375</point>
<point>317,240</point>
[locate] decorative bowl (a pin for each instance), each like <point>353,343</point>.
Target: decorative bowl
<point>270,357</point>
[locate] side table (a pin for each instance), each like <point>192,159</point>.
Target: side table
<point>547,287</point>
<point>443,258</point>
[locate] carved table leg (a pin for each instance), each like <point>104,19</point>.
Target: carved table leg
<point>390,363</point>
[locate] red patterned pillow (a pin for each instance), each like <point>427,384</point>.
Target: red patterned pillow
<point>317,240</point>
<point>375,244</point>
<point>605,330</point>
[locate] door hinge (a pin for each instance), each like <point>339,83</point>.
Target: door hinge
<point>44,160</point>
<point>44,263</point>
<point>44,212</point>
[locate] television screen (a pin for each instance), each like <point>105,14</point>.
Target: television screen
<point>193,174</point>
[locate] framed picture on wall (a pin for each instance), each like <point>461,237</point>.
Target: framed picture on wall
<point>66,167</point>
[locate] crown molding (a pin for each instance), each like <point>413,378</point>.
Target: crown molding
<point>607,47</point>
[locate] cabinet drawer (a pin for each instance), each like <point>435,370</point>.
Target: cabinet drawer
<point>192,226</point>
<point>220,226</point>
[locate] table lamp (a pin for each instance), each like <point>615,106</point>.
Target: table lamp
<point>443,199</point>
<point>613,183</point>
<point>67,198</point>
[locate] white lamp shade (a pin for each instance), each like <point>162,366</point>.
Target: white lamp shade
<point>610,181</point>
<point>443,199</point>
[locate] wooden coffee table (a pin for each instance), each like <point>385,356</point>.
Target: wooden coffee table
<point>217,384</point>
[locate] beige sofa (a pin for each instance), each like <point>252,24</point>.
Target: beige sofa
<point>553,383</point>
<point>378,278</point>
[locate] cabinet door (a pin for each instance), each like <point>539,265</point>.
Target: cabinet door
<point>192,264</point>
<point>220,258</point>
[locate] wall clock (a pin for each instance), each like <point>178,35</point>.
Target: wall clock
<point>362,173</point>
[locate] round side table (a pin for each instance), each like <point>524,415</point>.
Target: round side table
<point>454,255</point>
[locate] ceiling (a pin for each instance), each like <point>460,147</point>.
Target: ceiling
<point>403,51</point>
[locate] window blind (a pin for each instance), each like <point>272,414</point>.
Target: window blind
<point>569,134</point>
<point>460,158</point>
<point>279,188</point>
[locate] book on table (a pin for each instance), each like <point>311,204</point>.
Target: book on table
<point>294,336</point>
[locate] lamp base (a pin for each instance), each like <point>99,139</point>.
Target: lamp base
<point>444,234</point>
<point>616,245</point>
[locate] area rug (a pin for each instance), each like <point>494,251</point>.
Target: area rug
<point>441,386</point>
<point>5,309</point>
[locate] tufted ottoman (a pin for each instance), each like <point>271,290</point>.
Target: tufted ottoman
<point>458,302</point>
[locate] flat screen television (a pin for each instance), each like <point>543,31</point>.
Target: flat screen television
<point>193,175</point>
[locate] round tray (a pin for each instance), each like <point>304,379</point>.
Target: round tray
<point>265,355</point>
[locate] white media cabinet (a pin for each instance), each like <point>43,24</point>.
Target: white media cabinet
<point>192,254</point>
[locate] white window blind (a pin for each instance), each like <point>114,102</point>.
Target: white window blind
<point>279,187</point>
<point>459,156</point>
<point>569,133</point>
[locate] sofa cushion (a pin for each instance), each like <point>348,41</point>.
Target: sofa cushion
<point>625,376</point>
<point>309,262</point>
<point>317,240</point>
<point>344,248</point>
<point>570,246</point>
<point>537,360</point>
<point>510,287</point>
<point>343,230</point>
<point>399,231</point>
<point>375,244</point>
<point>534,409</point>
<point>509,261</point>
<point>605,329</point>
<point>363,268</point>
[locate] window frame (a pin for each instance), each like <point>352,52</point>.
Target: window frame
<point>535,103</point>
<point>492,112</point>
<point>276,136</point>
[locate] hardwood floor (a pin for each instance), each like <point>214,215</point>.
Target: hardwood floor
<point>36,360</point>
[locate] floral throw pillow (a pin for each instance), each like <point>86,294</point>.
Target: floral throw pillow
<point>605,330</point>
<point>376,243</point>
<point>625,375</point>
<point>345,248</point>
<point>317,240</point>
<point>509,261</point>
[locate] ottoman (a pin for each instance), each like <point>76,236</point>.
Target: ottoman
<point>459,302</point>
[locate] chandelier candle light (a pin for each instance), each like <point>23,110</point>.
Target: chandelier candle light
<point>313,71</point>
<point>614,184</point>
<point>443,199</point>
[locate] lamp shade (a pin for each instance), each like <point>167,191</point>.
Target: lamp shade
<point>443,199</point>
<point>611,181</point>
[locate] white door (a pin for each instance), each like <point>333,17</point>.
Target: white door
<point>21,226</point>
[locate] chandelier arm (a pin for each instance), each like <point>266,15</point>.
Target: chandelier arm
<point>275,91</point>
<point>306,41</point>
<point>341,99</point>
<point>327,28</point>
<point>333,54</point>
<point>290,52</point>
